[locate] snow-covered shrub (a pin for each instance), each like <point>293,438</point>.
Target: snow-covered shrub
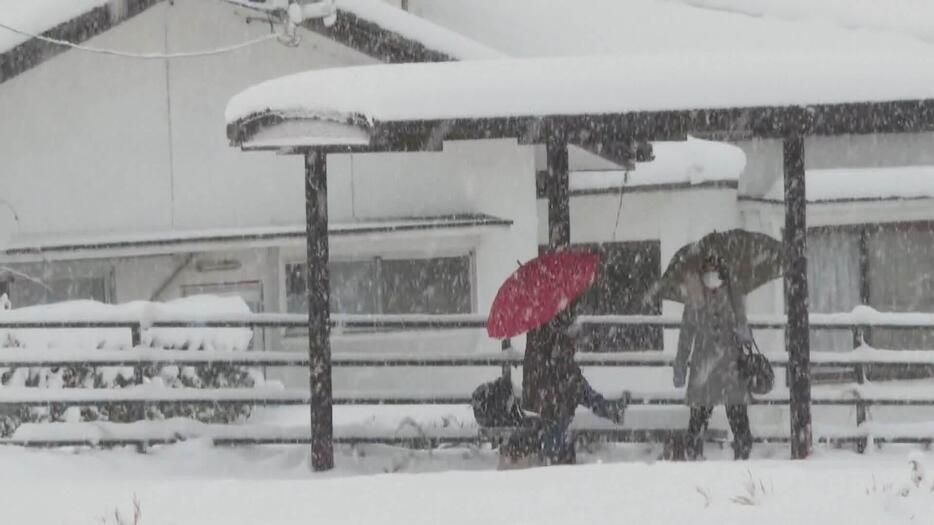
<point>212,376</point>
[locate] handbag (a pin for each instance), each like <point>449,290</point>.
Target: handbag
<point>755,369</point>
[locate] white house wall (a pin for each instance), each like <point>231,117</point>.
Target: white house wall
<point>499,180</point>
<point>87,135</point>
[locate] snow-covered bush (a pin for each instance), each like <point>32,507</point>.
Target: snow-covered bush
<point>218,375</point>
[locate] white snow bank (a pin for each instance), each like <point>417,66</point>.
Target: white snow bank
<point>195,484</point>
<point>371,422</point>
<point>905,17</point>
<point>92,311</point>
<point>430,35</point>
<point>38,16</point>
<point>904,182</point>
<point>605,27</point>
<point>456,423</point>
<point>694,161</point>
<point>589,85</point>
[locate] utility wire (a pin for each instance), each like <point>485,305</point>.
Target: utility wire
<point>143,56</point>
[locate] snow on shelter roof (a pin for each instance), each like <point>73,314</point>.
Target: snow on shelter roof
<point>362,97</point>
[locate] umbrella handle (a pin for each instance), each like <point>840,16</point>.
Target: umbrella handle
<point>507,369</point>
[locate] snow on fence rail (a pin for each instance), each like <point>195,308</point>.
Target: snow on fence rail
<point>20,357</point>
<point>246,320</point>
<point>859,395</point>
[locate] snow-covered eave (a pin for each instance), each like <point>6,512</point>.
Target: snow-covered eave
<point>862,185</point>
<point>839,201</point>
<point>394,35</point>
<point>155,243</point>
<point>723,184</point>
<point>842,213</point>
<point>70,20</point>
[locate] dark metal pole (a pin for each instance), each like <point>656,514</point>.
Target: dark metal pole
<point>558,192</point>
<point>796,296</point>
<point>535,392</point>
<point>538,374</point>
<point>319,327</point>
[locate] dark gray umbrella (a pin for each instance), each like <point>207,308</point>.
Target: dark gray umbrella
<point>751,259</point>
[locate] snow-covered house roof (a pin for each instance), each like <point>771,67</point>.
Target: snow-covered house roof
<point>372,27</point>
<point>610,27</point>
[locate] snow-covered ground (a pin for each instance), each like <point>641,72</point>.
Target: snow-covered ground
<point>194,483</point>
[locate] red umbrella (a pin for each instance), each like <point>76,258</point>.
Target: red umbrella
<point>540,289</point>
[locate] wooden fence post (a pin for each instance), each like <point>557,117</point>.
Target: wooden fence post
<point>859,370</point>
<point>136,340</point>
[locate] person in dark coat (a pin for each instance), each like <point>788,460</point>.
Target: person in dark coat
<point>560,387</point>
<point>713,327</point>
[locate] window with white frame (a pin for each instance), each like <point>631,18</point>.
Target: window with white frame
<point>436,285</point>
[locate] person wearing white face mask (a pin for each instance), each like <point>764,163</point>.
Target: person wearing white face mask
<point>711,279</point>
<point>714,320</point>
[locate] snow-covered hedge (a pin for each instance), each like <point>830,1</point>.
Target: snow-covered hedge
<point>84,376</point>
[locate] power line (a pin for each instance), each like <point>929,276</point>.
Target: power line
<point>143,56</point>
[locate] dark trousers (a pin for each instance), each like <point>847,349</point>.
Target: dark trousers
<point>739,424</point>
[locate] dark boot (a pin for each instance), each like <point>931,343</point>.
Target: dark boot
<point>694,447</point>
<point>742,435</point>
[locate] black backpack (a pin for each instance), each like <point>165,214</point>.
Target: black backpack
<point>495,405</point>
